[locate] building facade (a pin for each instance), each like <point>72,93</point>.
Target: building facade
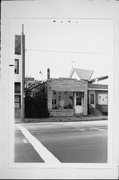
<point>18,75</point>
<point>98,98</point>
<point>67,97</point>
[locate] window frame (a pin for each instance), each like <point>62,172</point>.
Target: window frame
<point>18,102</point>
<point>16,66</point>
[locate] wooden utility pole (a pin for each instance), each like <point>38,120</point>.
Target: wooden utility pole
<point>23,75</point>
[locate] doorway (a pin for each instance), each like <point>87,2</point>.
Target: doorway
<point>79,101</point>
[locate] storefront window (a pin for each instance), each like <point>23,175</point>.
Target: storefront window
<point>62,100</point>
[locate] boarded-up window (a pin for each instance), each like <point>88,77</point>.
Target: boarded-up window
<point>16,69</point>
<point>17,44</point>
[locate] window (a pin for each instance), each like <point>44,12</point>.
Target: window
<point>62,100</point>
<point>17,101</point>
<point>78,101</point>
<point>17,87</point>
<point>16,69</point>
<point>79,96</point>
<point>17,44</point>
<point>59,98</point>
<point>103,99</point>
<point>54,101</point>
<point>91,98</point>
<point>54,92</point>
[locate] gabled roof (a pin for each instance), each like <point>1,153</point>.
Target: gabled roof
<point>83,74</point>
<point>99,79</point>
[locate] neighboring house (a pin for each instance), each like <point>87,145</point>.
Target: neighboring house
<point>97,99</point>
<point>81,74</point>
<point>97,90</point>
<point>29,80</point>
<point>99,80</point>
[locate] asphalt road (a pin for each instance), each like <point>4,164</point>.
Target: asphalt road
<point>62,142</point>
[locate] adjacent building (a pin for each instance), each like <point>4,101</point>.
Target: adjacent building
<point>19,74</point>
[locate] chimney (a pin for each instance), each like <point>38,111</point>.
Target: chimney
<point>48,73</point>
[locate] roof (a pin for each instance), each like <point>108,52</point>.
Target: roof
<point>83,74</point>
<point>99,79</point>
<point>97,86</point>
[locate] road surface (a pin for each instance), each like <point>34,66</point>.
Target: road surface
<point>61,142</point>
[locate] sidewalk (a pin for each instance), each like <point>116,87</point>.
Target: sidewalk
<point>64,119</point>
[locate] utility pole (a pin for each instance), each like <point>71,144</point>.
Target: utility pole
<point>23,75</point>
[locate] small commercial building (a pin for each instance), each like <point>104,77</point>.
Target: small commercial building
<point>67,97</point>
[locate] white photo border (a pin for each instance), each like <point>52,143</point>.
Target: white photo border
<point>85,169</point>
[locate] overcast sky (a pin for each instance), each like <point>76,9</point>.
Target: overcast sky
<point>55,43</point>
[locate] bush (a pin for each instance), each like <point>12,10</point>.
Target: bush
<point>36,107</point>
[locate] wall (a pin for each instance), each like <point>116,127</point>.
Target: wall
<point>99,92</point>
<point>63,112</point>
<point>66,84</point>
<point>18,77</point>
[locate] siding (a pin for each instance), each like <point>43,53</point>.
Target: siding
<point>97,86</point>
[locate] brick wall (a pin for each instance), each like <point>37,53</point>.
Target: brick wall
<point>66,84</point>
<point>63,112</point>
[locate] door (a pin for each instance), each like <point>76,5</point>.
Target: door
<point>79,97</point>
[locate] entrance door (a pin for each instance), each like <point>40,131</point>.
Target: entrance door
<point>79,97</point>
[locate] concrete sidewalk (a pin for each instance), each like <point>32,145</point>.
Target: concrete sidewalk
<point>64,119</point>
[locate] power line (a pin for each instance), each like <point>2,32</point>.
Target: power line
<point>57,51</point>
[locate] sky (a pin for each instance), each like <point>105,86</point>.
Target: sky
<point>60,44</point>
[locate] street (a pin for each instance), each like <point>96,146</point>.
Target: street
<point>61,142</point>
